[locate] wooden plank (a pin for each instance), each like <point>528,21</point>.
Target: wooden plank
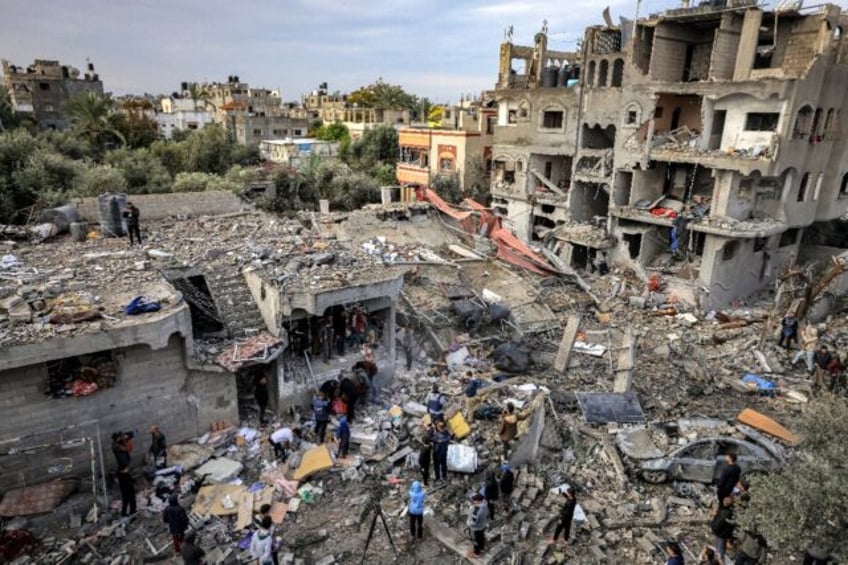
<point>765,424</point>
<point>624,365</point>
<point>568,337</point>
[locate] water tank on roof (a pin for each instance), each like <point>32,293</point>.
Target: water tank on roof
<point>111,208</point>
<point>563,75</point>
<point>549,77</point>
<point>183,86</point>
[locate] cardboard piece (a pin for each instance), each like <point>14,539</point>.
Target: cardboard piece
<point>766,425</point>
<point>208,500</point>
<point>245,510</point>
<point>278,512</point>
<point>314,460</point>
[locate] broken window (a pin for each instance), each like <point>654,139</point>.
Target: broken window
<point>257,132</point>
<point>789,237</point>
<point>634,244</point>
<point>590,75</point>
<point>631,117</point>
<point>843,188</point>
<point>803,123</point>
<point>603,71</point>
<point>552,119</point>
<point>81,375</point>
<point>815,134</point>
<point>491,121</point>
<point>760,243</point>
<point>446,165</point>
<point>298,132</point>
<point>802,188</point>
<point>513,116</point>
<point>761,121</point>
<point>44,86</point>
<point>206,321</point>
<point>728,252</point>
<point>617,72</point>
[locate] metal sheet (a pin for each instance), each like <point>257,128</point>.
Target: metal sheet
<point>605,407</point>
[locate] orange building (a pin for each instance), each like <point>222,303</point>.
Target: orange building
<point>426,153</point>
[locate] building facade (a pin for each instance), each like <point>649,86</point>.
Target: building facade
<point>706,140</point>
<point>181,114</point>
<point>42,90</point>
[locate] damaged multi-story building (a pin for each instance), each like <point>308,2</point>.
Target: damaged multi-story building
<point>707,140</point>
<point>42,90</point>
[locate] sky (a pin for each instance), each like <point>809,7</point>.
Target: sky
<point>435,48</point>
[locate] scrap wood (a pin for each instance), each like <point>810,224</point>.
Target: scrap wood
<point>314,460</point>
<point>278,512</point>
<point>765,424</point>
<point>245,510</point>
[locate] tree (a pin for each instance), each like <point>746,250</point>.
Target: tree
<point>137,129</point>
<point>98,179</point>
<point>91,115</point>
<point>422,108</point>
<point>335,131</point>
<point>804,505</point>
<point>448,187</point>
<point>382,95</point>
<point>209,150</point>
<point>143,172</point>
<point>377,145</point>
<point>8,119</point>
<point>199,94</point>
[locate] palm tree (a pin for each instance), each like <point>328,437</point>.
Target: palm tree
<point>90,113</point>
<point>197,93</point>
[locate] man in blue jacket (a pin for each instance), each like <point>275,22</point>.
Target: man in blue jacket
<point>416,510</point>
<point>343,436</point>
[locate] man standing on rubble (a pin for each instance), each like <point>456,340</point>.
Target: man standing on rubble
<point>440,437</point>
<point>126,484</point>
<point>477,522</point>
<point>177,519</point>
<point>131,214</point>
<point>321,411</point>
<point>416,511</point>
<point>722,526</point>
<point>566,515</point>
<point>821,360</point>
<point>788,330</point>
<point>509,427</point>
<point>730,475</point>
<point>436,404</point>
<point>260,392</point>
<point>158,447</point>
<point>507,485</point>
<point>809,340</point>
<point>471,386</point>
<point>343,437</point>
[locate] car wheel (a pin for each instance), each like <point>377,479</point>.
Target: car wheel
<point>655,477</point>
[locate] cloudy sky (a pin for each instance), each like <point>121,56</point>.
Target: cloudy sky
<point>435,48</point>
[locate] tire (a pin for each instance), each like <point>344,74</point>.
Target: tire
<point>654,477</point>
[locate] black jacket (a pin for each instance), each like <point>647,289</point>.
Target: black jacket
<point>566,513</point>
<point>507,483</point>
<point>176,518</point>
<point>158,446</point>
<point>722,524</point>
<point>727,480</point>
<point>192,554</point>
<point>424,456</point>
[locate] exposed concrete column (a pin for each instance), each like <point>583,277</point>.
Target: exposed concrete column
<point>386,195</point>
<point>722,190</point>
<point>324,206</point>
<point>747,45</point>
<point>389,333</point>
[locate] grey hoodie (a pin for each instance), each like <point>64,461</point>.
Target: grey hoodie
<point>478,517</point>
<point>261,545</point>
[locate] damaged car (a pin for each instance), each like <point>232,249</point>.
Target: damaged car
<point>702,461</point>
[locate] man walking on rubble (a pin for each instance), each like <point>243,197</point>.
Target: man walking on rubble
<point>471,387</point>
<point>177,519</point>
<point>730,475</point>
<point>416,511</point>
<point>821,360</point>
<point>436,404</point>
<point>722,526</point>
<point>509,427</point>
<point>566,515</point>
<point>440,437</point>
<point>477,522</point>
<point>131,214</point>
<point>809,340</point>
<point>321,411</point>
<point>158,448</point>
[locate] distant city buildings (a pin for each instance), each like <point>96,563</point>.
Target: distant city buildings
<point>42,90</point>
<point>332,108</point>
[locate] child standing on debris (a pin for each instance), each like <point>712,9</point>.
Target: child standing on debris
<point>424,461</point>
<point>436,404</point>
<point>471,387</point>
<point>262,543</point>
<point>321,411</point>
<point>788,330</point>
<point>177,519</point>
<point>809,339</point>
<point>343,437</point>
<point>416,511</point>
<point>566,514</point>
<point>441,437</point>
<point>477,522</point>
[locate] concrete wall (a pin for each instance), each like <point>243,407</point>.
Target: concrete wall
<point>161,206</point>
<point>153,386</point>
<point>737,107</point>
<point>267,298</point>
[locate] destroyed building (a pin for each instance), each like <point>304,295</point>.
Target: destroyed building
<point>722,145</point>
<point>40,91</point>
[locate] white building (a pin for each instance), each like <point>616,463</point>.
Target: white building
<point>292,151</point>
<point>181,114</point>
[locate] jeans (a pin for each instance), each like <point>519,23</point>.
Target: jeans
<point>408,351</point>
<point>321,430</point>
<point>440,458</point>
<point>132,229</point>
<point>720,546</point>
<point>479,540</point>
<point>416,525</point>
<point>807,356</point>
<point>563,527</point>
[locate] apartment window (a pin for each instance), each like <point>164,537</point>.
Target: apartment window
<point>447,114</point>
<point>631,117</point>
<point>190,126</point>
<point>446,165</point>
<point>44,86</point>
<point>789,237</point>
<point>82,375</point>
<point>278,132</point>
<point>761,121</point>
<point>552,119</point>
<point>298,132</point>
<point>760,243</point>
<point>843,188</point>
<point>513,116</point>
<point>729,250</point>
<point>491,121</point>
<point>257,132</point>
<point>802,188</point>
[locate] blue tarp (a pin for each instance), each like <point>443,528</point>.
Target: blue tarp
<point>141,305</point>
<point>765,387</point>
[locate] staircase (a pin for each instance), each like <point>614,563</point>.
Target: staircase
<point>235,302</point>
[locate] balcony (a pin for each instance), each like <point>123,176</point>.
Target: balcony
<point>411,173</point>
<point>714,225</point>
<point>685,146</point>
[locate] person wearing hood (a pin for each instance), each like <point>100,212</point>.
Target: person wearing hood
<point>262,543</point>
<point>416,510</point>
<point>509,427</point>
<point>343,437</point>
<point>175,516</point>
<point>477,522</point>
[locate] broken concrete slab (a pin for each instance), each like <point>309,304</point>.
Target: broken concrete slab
<point>566,344</point>
<point>604,407</point>
<point>637,443</point>
<point>219,470</point>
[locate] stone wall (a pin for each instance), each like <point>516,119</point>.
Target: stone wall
<point>154,386</point>
<point>173,204</point>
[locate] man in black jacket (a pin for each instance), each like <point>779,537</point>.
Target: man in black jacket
<point>730,475</point>
<point>126,484</point>
<point>177,519</point>
<point>192,553</point>
<point>722,526</point>
<point>566,514</point>
<point>158,447</point>
<point>131,215</point>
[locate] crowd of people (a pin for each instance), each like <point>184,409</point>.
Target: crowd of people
<point>824,363</point>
